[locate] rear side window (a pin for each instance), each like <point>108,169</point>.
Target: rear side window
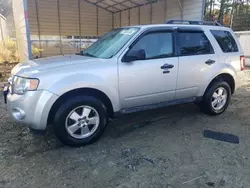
<point>225,40</point>
<point>194,43</point>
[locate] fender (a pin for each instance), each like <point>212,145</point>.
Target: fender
<point>226,69</point>
<point>86,80</point>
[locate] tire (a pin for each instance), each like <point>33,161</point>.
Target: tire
<point>73,119</point>
<point>209,101</point>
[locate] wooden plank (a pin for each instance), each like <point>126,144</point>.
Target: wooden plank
<point>192,9</point>
<point>158,12</point>
<point>88,19</point>
<point>69,17</point>
<point>124,18</point>
<point>145,14</point>
<point>134,14</point>
<point>117,20</point>
<point>173,10</point>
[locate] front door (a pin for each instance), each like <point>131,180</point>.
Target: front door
<point>196,60</point>
<point>152,80</point>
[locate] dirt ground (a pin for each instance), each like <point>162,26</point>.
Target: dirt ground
<point>163,148</point>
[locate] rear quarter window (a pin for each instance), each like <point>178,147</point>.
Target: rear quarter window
<point>225,40</point>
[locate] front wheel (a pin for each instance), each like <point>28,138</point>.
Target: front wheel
<point>80,121</point>
<point>217,98</point>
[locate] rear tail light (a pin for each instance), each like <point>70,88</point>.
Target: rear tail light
<point>242,62</point>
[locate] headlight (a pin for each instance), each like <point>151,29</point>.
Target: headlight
<point>20,84</point>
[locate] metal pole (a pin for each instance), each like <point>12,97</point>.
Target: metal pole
<point>231,21</point>
<point>59,25</point>
<point>203,11</point>
<point>38,27</point>
<point>120,19</point>
<point>129,17</point>
<point>151,12</point>
<point>181,8</point>
<point>113,21</point>
<point>165,10</point>
<point>232,15</point>
<point>247,6</point>
<point>181,1</point>
<point>1,27</point>
<point>97,22</point>
<point>139,15</point>
<point>80,24</point>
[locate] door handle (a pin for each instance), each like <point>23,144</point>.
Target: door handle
<point>167,66</point>
<point>210,62</point>
<point>166,71</point>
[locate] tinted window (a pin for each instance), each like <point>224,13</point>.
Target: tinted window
<point>156,45</point>
<point>225,40</point>
<point>194,43</point>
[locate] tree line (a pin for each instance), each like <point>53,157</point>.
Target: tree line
<point>225,11</point>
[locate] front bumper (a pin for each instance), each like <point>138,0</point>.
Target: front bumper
<point>32,108</point>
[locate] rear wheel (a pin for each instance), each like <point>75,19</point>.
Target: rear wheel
<point>217,98</point>
<point>80,121</point>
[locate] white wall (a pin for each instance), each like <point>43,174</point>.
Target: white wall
<point>21,24</point>
<point>192,9</point>
<point>161,11</point>
<point>173,11</point>
<point>244,39</point>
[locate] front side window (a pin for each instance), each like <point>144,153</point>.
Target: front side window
<point>156,45</point>
<point>194,43</point>
<point>225,40</point>
<point>111,43</point>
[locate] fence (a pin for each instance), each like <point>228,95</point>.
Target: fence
<point>244,38</point>
<point>241,22</point>
<point>51,46</point>
<point>5,69</point>
<point>71,46</point>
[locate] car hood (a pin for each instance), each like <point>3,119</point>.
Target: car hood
<point>43,64</point>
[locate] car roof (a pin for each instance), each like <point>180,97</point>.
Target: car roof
<point>203,27</point>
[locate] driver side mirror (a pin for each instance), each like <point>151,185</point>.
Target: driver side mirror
<point>133,55</point>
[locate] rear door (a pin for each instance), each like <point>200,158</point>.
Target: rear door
<point>196,59</point>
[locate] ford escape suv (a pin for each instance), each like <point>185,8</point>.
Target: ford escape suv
<point>127,70</point>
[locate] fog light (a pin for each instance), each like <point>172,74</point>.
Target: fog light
<point>18,113</point>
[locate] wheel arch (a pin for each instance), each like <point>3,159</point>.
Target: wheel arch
<point>82,91</point>
<point>223,77</point>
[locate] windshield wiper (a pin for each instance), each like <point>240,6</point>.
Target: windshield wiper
<point>87,54</point>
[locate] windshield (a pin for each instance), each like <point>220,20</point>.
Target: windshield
<point>111,43</point>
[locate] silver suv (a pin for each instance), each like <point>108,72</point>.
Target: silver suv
<point>127,70</point>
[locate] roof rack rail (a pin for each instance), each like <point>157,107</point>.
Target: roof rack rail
<point>193,22</point>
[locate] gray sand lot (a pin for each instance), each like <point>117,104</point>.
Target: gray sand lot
<point>163,148</point>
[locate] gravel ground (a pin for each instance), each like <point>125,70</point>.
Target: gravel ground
<point>163,148</point>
